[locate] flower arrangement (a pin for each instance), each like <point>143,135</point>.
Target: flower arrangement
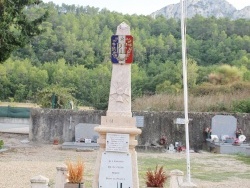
<point>163,140</point>
<point>156,178</point>
<point>75,171</point>
<point>236,142</point>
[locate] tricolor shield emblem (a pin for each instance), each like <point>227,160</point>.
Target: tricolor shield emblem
<point>122,49</point>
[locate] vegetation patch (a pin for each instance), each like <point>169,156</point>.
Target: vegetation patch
<point>244,158</point>
<point>207,169</point>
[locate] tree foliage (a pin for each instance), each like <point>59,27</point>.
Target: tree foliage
<point>74,52</point>
<point>16,28</point>
<point>55,96</point>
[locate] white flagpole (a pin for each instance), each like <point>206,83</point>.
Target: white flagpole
<point>184,62</point>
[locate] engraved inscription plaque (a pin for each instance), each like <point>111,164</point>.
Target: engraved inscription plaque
<point>116,170</point>
<point>117,142</point>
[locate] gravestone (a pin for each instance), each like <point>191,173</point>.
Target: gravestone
<point>85,131</point>
<point>85,138</point>
<point>224,125</point>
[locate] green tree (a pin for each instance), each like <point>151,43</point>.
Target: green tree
<point>192,73</point>
<point>16,29</point>
<point>99,87</point>
<point>138,77</point>
<point>4,83</point>
<point>55,96</point>
<point>21,80</point>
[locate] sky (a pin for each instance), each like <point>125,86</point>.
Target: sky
<point>138,7</point>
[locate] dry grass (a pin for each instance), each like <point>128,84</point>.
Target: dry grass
<point>75,171</point>
<point>17,104</point>
<point>205,103</point>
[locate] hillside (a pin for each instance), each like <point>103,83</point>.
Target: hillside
<point>205,8</point>
<point>70,60</point>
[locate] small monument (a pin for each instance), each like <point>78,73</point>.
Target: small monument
<point>84,132</point>
<point>85,138</point>
<point>116,164</point>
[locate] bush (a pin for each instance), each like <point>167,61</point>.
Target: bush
<point>220,107</point>
<point>242,106</point>
<point>209,89</point>
<point>240,86</point>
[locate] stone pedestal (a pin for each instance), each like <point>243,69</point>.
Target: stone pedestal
<point>188,185</point>
<point>176,178</point>
<point>39,182</point>
<point>116,126</point>
<point>61,176</point>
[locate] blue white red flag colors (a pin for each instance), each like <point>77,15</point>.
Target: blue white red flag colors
<point>122,49</point>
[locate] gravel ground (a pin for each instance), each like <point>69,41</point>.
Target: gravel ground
<point>23,160</point>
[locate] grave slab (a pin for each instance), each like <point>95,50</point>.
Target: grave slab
<point>80,146</point>
<point>226,148</point>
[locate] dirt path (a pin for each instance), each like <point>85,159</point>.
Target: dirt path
<point>25,159</point>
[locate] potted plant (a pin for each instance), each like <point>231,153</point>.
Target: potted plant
<point>156,178</point>
<point>75,174</point>
<point>56,141</point>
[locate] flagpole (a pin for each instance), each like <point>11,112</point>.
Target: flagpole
<point>184,62</point>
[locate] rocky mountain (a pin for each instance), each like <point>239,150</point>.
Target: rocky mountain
<point>243,13</point>
<point>205,8</point>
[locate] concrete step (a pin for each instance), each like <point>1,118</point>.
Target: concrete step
<point>80,146</point>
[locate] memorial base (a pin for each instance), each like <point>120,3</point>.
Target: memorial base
<point>125,160</point>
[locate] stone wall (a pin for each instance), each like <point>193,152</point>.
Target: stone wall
<point>15,120</point>
<point>47,124</point>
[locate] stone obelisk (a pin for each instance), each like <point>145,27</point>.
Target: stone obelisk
<point>116,164</point>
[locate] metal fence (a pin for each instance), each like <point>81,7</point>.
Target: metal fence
<point>14,112</point>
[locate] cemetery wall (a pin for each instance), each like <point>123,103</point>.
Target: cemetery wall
<point>159,124</point>
<point>48,124</point>
<point>15,120</point>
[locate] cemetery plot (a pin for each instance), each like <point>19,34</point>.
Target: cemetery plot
<point>224,136</point>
